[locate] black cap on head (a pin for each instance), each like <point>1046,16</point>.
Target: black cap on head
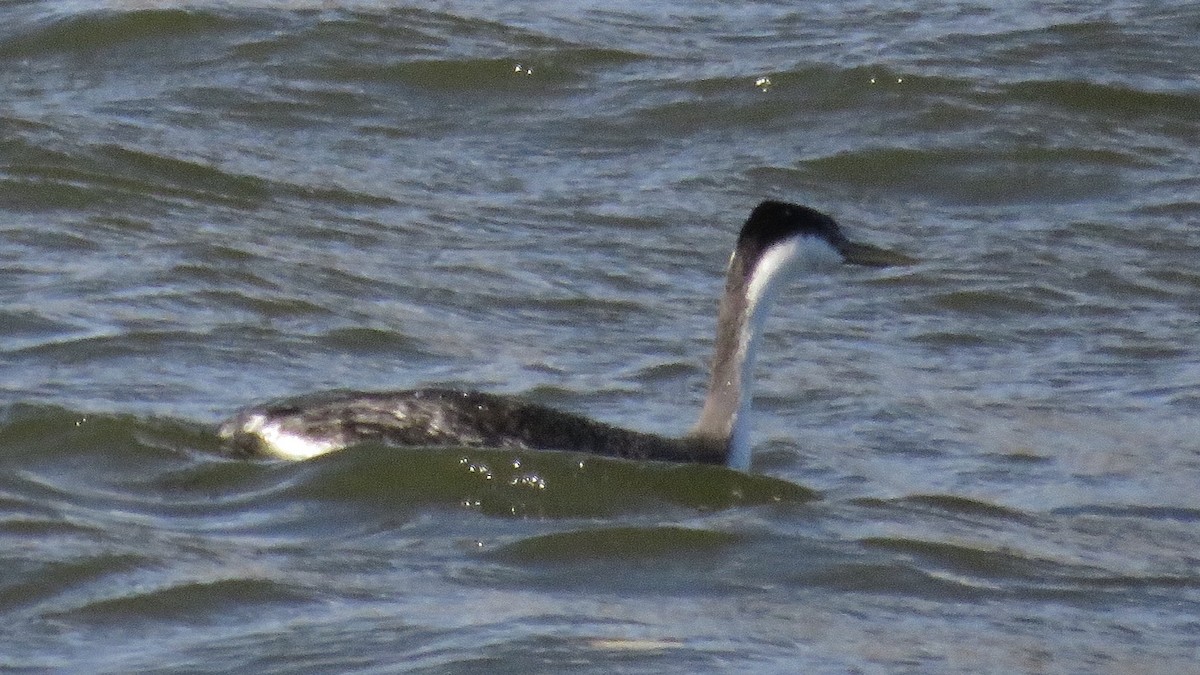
<point>771,222</point>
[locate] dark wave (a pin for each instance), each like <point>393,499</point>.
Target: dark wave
<point>195,602</point>
<point>973,175</point>
<point>479,76</point>
<point>89,32</point>
<point>37,177</point>
<point>622,543</point>
<point>953,504</point>
<point>982,571</point>
<point>1116,101</point>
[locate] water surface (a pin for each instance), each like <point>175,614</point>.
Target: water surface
<point>986,462</point>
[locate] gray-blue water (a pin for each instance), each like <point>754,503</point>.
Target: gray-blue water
<point>988,462</point>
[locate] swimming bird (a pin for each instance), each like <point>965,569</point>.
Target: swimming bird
<point>777,240</point>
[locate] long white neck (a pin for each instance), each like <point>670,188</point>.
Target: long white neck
<point>750,288</point>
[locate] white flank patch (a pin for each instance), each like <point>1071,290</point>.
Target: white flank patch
<point>286,445</point>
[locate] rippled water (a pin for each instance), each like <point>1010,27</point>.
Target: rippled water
<point>987,462</point>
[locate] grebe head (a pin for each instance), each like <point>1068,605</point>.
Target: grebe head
<point>817,239</point>
<point>777,241</point>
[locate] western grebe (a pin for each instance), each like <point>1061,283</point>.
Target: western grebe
<point>777,239</point>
